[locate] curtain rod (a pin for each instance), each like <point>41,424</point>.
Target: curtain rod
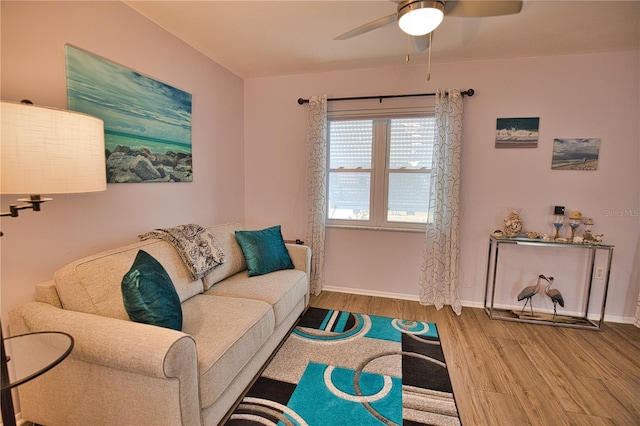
<point>301,101</point>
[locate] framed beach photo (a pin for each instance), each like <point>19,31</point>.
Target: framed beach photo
<point>575,154</point>
<point>147,123</point>
<point>517,132</point>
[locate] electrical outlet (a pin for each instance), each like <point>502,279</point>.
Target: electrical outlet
<point>599,272</point>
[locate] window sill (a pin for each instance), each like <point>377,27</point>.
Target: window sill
<point>377,228</point>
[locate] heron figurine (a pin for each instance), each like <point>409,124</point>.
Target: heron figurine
<point>554,294</point>
<point>528,292</point>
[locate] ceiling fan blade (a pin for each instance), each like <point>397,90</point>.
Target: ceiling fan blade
<point>420,43</point>
<point>370,26</point>
<point>481,8</point>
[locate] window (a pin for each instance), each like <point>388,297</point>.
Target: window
<point>378,170</point>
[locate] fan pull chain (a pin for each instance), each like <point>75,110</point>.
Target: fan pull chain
<point>429,59</point>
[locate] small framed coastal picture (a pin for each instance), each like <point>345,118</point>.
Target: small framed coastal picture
<point>147,123</point>
<point>517,132</point>
<point>575,154</point>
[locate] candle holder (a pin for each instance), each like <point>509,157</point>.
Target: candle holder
<point>574,222</point>
<point>558,220</point>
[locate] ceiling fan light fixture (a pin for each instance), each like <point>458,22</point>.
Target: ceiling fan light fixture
<point>418,18</point>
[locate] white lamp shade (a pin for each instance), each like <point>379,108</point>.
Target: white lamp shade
<point>420,17</point>
<point>50,151</point>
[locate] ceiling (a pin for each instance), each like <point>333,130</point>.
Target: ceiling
<point>266,38</point>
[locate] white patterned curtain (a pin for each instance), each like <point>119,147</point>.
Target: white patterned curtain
<point>439,270</point>
<point>317,181</point>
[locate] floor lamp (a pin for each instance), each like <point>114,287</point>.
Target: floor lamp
<point>45,151</point>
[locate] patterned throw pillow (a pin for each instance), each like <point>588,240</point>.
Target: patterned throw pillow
<point>264,250</point>
<point>149,295</point>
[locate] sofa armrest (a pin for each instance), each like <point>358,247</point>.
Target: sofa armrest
<point>301,256</point>
<point>119,372</point>
<point>47,293</point>
<point>124,345</point>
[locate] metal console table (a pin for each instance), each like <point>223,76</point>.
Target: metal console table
<point>560,320</point>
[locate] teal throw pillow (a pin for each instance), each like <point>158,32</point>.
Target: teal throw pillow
<point>264,250</point>
<point>149,295</point>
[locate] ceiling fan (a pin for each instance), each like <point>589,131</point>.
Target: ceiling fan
<point>418,18</point>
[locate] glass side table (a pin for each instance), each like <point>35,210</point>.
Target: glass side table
<point>27,356</point>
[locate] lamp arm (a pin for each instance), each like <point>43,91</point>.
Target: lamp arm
<point>34,204</point>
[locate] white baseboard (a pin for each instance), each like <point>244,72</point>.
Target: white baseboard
<point>619,319</point>
<point>465,303</point>
<point>19,421</point>
<point>363,292</point>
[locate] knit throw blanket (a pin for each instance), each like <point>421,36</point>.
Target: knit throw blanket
<point>197,248</point>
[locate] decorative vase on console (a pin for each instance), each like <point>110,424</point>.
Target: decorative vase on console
<point>574,222</point>
<point>588,237</point>
<point>513,223</point>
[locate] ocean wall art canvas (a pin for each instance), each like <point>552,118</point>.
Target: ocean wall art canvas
<point>147,123</point>
<point>517,132</point>
<point>575,154</point>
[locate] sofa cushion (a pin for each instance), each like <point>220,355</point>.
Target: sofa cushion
<point>264,250</point>
<point>149,295</point>
<point>225,236</point>
<point>92,284</point>
<point>228,332</point>
<point>281,289</point>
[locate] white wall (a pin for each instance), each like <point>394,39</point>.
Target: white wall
<point>593,95</point>
<point>33,67</point>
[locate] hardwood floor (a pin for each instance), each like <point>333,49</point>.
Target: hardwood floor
<point>506,373</point>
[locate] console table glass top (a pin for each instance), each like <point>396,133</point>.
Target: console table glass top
<point>541,242</point>
<point>30,355</point>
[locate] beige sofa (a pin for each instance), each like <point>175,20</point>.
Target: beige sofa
<point>126,373</point>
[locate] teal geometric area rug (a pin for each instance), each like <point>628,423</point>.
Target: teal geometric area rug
<point>341,368</point>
